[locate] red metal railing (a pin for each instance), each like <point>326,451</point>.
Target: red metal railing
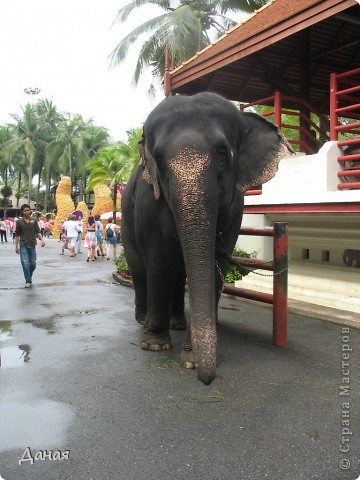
<point>303,135</point>
<point>344,123</point>
<point>279,266</point>
<point>306,134</point>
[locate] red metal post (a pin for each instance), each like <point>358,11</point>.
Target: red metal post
<point>280,284</point>
<point>333,107</point>
<point>167,83</point>
<point>277,108</point>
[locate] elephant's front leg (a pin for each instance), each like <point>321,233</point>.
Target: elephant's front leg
<point>187,358</point>
<point>177,318</point>
<point>156,336</point>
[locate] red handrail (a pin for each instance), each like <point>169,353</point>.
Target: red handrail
<point>350,130</point>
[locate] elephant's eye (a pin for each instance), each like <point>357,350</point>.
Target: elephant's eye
<point>221,158</point>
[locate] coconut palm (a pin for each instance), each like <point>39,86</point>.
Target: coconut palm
<point>106,168</point>
<point>129,151</point>
<point>184,27</point>
<point>5,159</point>
<point>68,151</point>
<point>27,141</point>
<point>49,119</point>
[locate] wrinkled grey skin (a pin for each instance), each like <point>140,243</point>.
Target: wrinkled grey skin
<point>182,212</point>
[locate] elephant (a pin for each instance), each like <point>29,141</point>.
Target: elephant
<point>182,212</point>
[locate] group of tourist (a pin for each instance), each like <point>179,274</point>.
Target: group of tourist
<point>96,236</point>
<point>27,229</point>
<point>7,229</point>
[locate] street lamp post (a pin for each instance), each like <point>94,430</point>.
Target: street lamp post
<point>32,91</point>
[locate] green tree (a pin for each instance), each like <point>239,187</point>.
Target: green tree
<point>5,158</point>
<point>6,193</point>
<point>184,27</point>
<point>49,119</point>
<point>69,149</point>
<point>106,167</point>
<point>129,151</point>
<point>27,141</point>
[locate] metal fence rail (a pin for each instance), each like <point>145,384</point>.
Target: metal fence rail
<point>279,266</point>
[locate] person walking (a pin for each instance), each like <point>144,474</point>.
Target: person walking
<point>90,239</point>
<point>8,227</point>
<point>47,229</point>
<point>71,229</point>
<point>3,230</point>
<point>79,238</point>
<point>13,229</point>
<point>111,238</point>
<point>27,229</point>
<point>99,236</point>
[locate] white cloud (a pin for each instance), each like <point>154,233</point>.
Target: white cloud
<point>62,47</point>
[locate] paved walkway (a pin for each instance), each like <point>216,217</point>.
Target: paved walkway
<point>73,379</point>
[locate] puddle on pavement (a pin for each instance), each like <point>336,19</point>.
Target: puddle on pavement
<point>15,355</point>
<point>70,283</point>
<point>48,324</point>
<point>5,330</point>
<point>76,283</point>
<point>34,424</point>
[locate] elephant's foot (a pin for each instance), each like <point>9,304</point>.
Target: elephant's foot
<point>155,342</point>
<point>178,323</point>
<point>140,317</point>
<point>187,358</point>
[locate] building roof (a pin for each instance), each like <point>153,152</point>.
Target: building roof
<point>288,45</point>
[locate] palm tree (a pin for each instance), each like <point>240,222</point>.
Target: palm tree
<point>129,151</point>
<point>96,138</point>
<point>106,167</point>
<point>27,141</point>
<point>49,119</point>
<point>185,27</point>
<point>68,151</point>
<point>5,159</point>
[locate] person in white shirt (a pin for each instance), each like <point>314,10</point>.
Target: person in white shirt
<point>71,229</point>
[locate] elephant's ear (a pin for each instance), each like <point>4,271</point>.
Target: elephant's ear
<point>261,147</point>
<point>149,166</point>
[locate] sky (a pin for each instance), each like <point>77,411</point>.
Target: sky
<point>62,47</point>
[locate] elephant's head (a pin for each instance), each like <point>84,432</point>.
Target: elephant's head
<point>201,154</point>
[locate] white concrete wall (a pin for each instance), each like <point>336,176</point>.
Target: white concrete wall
<point>306,179</point>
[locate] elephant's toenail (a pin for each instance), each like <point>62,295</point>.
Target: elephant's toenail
<point>155,348</point>
<point>189,365</point>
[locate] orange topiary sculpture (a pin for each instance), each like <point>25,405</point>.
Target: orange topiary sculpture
<point>103,200</point>
<point>64,203</point>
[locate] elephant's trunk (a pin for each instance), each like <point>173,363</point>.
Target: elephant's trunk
<point>196,206</point>
<point>198,248</point>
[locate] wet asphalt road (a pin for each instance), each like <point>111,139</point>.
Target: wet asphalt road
<point>79,383</point>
